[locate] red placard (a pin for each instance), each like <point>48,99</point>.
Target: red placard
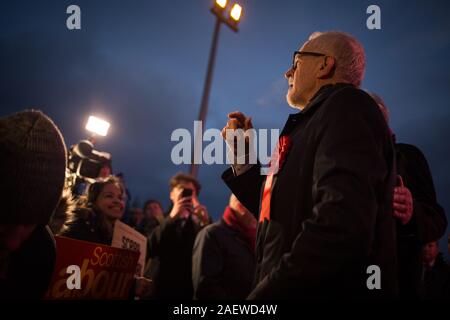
<point>105,272</point>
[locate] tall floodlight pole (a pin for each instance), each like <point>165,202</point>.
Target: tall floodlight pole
<point>232,19</point>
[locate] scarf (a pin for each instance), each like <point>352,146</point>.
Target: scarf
<point>248,233</point>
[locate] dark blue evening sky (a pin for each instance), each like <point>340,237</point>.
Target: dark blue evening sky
<point>141,65</point>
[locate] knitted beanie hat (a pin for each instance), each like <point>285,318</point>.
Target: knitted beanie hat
<point>32,168</point>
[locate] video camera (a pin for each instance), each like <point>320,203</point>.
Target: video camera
<point>84,164</point>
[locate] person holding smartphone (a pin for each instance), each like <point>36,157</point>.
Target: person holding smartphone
<point>172,242</point>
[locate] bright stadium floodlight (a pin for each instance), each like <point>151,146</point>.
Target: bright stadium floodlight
<point>221,3</point>
<point>227,13</point>
<point>97,126</point>
<point>236,12</point>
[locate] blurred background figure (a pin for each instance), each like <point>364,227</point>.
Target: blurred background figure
<point>128,198</point>
<point>420,219</point>
<point>32,170</point>
<point>137,220</point>
<point>171,242</point>
<point>153,215</point>
<point>435,281</point>
<point>223,263</point>
<point>105,170</point>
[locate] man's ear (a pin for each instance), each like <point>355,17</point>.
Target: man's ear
<point>326,70</point>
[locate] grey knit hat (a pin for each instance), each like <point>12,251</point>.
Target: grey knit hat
<point>32,168</point>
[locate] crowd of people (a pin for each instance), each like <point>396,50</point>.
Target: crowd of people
<point>346,195</point>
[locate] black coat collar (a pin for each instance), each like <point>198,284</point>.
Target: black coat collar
<point>321,95</point>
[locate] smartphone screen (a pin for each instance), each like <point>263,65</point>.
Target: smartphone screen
<point>186,193</point>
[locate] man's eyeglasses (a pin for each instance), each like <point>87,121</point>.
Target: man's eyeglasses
<point>305,53</point>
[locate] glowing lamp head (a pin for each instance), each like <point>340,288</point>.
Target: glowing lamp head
<point>236,12</point>
<point>97,126</point>
<point>221,3</point>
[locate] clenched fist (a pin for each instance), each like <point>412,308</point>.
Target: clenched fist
<point>237,120</point>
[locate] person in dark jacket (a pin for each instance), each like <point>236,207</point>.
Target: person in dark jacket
<point>153,217</point>
<point>435,280</point>
<point>326,212</point>
<point>171,243</point>
<point>223,262</point>
<point>32,170</point>
<point>420,218</point>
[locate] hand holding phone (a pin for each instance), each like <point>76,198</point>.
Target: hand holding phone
<point>183,205</point>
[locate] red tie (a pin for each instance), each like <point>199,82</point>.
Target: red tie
<point>265,204</point>
<point>276,161</point>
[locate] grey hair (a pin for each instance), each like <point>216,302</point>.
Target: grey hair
<point>347,51</point>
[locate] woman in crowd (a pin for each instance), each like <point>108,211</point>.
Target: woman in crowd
<point>94,220</point>
<point>96,214</point>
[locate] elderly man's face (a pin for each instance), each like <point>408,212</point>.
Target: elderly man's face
<point>302,81</point>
